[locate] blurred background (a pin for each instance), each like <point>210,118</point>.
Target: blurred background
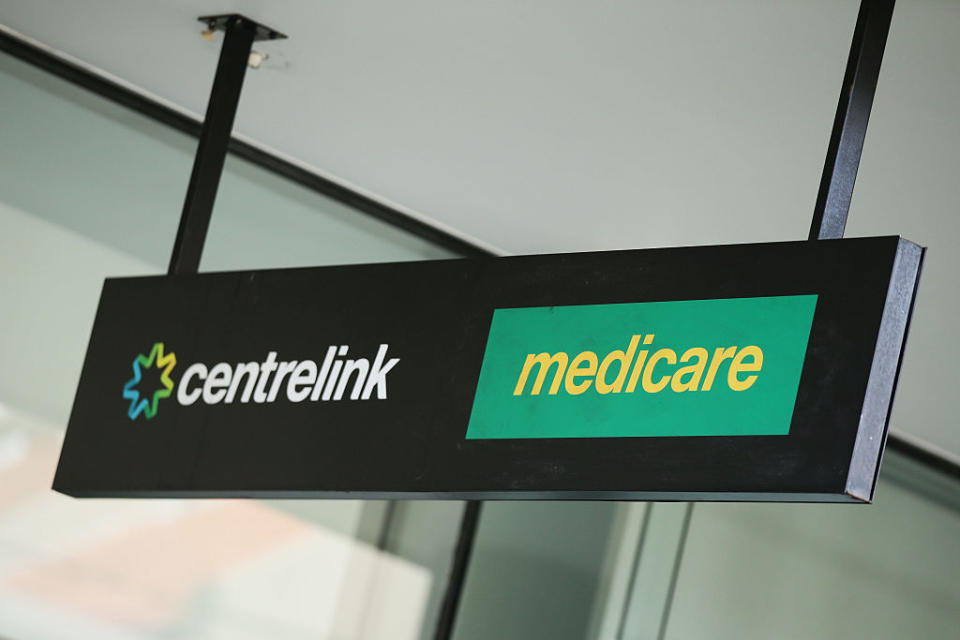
<point>513,128</point>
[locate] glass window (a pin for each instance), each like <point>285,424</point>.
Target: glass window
<point>261,220</point>
<point>535,570</point>
<point>888,570</point>
<point>646,571</point>
<point>89,190</point>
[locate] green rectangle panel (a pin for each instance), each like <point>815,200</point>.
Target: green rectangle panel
<point>724,367</point>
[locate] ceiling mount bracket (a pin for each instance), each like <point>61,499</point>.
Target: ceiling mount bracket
<point>222,21</point>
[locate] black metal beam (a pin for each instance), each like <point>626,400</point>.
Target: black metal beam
<point>458,569</point>
<point>675,571</point>
<point>850,123</point>
<point>925,457</point>
<point>212,148</point>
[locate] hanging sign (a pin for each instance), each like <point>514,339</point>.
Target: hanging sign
<point>742,372</point>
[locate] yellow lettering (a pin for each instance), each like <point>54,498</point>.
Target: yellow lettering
<point>739,365</point>
<point>545,360</point>
<point>586,369</point>
<point>576,371</point>
<point>662,354</point>
<point>638,365</point>
<point>719,356</point>
<point>616,356</point>
<point>695,371</point>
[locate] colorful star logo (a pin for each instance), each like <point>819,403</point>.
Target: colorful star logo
<point>148,406</point>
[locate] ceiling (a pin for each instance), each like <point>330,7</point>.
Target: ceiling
<point>565,126</point>
<point>532,127</point>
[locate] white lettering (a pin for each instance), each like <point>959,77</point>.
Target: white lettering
<point>285,368</point>
<point>251,370</point>
<point>322,376</point>
<point>267,367</point>
<point>304,374</point>
<point>184,396</point>
<point>361,366</point>
<point>378,375</point>
<point>336,379</point>
<point>217,382</point>
<point>328,390</point>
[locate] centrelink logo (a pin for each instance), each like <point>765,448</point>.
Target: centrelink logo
<point>335,378</point>
<point>148,405</point>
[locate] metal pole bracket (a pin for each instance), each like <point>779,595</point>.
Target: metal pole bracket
<point>222,21</point>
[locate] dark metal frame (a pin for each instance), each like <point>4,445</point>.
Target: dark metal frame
<point>457,577</point>
<point>829,219</point>
<point>850,123</point>
<point>239,34</point>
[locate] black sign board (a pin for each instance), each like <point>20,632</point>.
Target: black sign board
<point>742,372</point>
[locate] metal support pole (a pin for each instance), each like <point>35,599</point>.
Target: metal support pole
<point>240,32</point>
<point>675,573</point>
<point>850,123</point>
<point>458,569</point>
